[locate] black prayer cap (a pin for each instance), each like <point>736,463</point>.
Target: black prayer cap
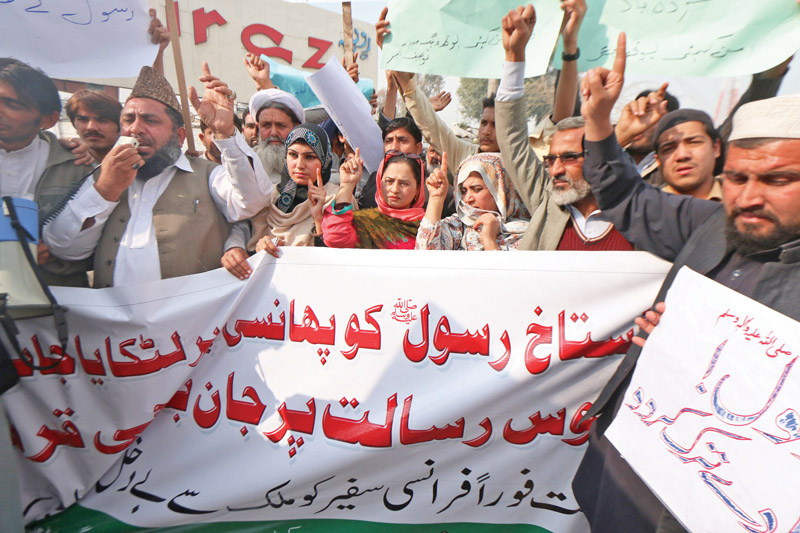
<point>673,118</point>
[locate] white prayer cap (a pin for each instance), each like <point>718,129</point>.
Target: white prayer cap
<point>268,96</point>
<point>776,118</point>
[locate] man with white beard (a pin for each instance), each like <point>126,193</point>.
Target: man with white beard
<point>276,112</point>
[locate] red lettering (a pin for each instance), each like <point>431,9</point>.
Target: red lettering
<point>202,21</point>
<point>177,18</point>
<point>581,429</point>
<point>273,34</point>
<point>322,46</point>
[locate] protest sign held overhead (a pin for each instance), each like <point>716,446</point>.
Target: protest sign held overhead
<point>75,38</point>
<point>690,38</point>
<point>346,105</point>
<point>462,37</point>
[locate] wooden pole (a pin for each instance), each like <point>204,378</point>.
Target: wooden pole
<point>347,26</point>
<point>179,73</point>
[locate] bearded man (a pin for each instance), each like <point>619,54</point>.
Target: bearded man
<point>750,243</point>
<point>276,112</point>
<point>153,213</point>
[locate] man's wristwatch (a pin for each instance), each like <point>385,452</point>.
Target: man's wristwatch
<point>571,57</point>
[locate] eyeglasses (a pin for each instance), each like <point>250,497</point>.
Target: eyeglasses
<point>567,158</point>
<point>392,153</point>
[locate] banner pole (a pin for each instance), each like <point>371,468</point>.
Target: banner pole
<point>347,26</point>
<point>179,73</point>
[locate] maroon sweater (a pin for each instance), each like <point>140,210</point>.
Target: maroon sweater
<point>612,241</point>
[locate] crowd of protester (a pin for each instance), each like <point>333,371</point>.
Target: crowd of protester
<point>725,201</point>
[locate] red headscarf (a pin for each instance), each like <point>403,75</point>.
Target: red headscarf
<point>416,210</point>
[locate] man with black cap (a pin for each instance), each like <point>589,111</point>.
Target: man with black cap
<point>152,213</point>
<point>689,152</point>
<point>749,243</point>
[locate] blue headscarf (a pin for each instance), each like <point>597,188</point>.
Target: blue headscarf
<point>315,137</point>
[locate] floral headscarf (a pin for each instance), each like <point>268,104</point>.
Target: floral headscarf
<point>316,138</point>
<point>514,216</point>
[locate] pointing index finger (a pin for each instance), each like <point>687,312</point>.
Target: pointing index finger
<point>319,179</point>
<point>444,163</point>
<point>619,60</point>
<point>206,70</point>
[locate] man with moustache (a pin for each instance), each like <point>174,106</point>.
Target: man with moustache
<point>749,243</point>
<point>564,213</point>
<point>33,164</point>
<point>152,213</point>
<point>249,128</point>
<point>95,116</point>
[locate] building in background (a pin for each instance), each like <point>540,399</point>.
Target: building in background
<point>222,32</point>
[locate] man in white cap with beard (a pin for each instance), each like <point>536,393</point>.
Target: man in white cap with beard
<point>276,112</point>
<point>152,213</point>
<point>749,243</point>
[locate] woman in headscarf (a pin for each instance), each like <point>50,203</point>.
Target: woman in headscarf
<point>400,196</point>
<point>489,215</point>
<point>295,218</point>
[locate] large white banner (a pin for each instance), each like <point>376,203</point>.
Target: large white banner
<point>78,38</point>
<point>359,385</point>
<point>710,419</point>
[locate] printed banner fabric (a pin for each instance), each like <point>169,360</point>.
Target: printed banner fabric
<point>333,387</point>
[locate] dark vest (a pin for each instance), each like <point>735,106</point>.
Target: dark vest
<point>190,230</point>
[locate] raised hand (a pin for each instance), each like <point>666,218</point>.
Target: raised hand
<point>517,29</point>
<point>216,108</point>
<point>437,181</point>
<point>641,114</point>
<point>316,196</point>
<point>352,70</point>
<point>159,34</point>
<point>399,79</point>
<point>437,185</point>
<point>440,101</point>
<point>258,69</point>
<point>351,171</point>
<point>600,89</point>
<point>649,321</point>
<point>574,11</point>
<point>373,102</point>
<point>382,28</point>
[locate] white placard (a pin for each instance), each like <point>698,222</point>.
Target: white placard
<point>78,38</point>
<point>350,111</point>
<point>710,419</point>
